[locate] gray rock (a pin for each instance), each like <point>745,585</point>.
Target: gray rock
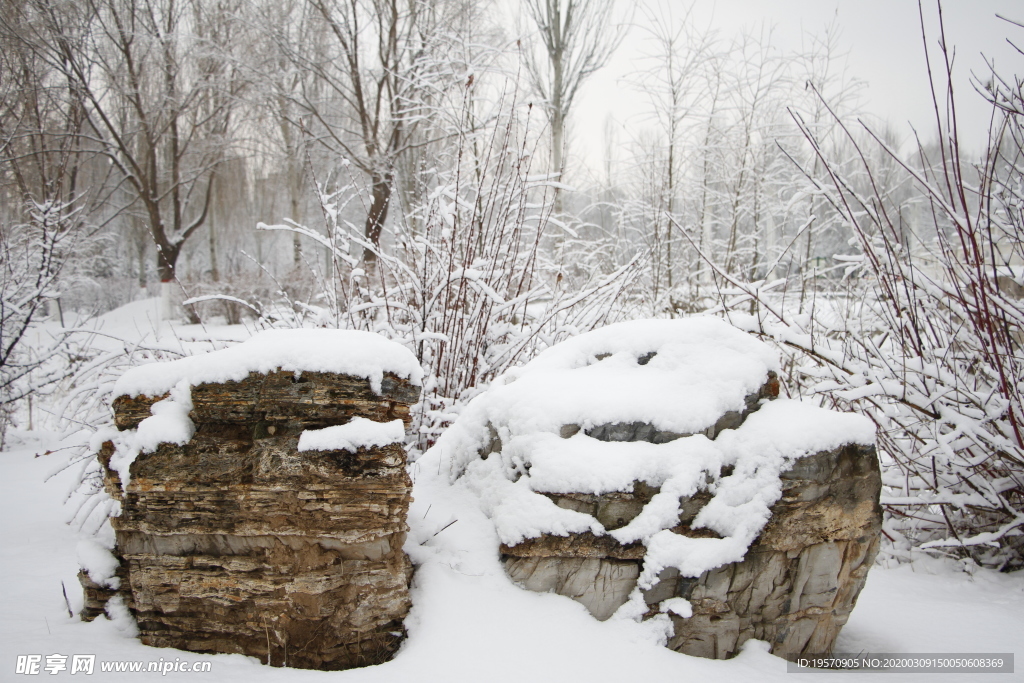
<point>796,586</point>
<point>602,585</point>
<point>641,431</point>
<point>613,510</point>
<point>800,579</point>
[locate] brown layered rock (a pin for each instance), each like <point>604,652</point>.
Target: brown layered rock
<point>237,542</point>
<point>307,399</point>
<point>95,596</point>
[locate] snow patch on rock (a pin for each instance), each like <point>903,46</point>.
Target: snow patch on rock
<point>168,423</point>
<point>99,563</point>
<point>358,433</point>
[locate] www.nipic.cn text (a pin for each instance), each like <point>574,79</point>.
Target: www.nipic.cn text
<point>54,664</point>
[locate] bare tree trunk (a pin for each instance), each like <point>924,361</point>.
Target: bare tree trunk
<point>381,200</point>
<point>578,37</point>
<point>214,272</point>
<point>296,212</point>
<point>671,207</point>
<point>294,169</point>
<point>557,126</point>
<point>140,250</point>
<point>705,215</point>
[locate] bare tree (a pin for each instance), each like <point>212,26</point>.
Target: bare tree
<point>578,38</point>
<point>675,81</point>
<point>157,98</point>
<point>364,102</point>
<point>42,210</point>
<point>289,36</point>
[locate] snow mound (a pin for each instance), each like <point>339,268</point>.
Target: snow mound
<point>99,563</point>
<point>345,352</point>
<point>676,375</point>
<point>509,445</point>
<point>358,433</point>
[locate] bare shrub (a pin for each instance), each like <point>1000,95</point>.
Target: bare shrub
<point>923,333</point>
<point>462,280</point>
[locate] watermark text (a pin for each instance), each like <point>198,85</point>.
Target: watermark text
<point>34,665</point>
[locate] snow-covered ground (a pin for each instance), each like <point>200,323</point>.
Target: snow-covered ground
<point>469,622</point>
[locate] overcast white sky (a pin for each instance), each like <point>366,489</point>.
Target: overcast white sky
<point>882,39</point>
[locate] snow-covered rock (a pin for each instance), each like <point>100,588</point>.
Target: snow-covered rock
<point>644,470</point>
<point>263,500</point>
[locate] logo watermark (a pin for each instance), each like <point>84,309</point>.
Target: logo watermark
<point>34,665</point>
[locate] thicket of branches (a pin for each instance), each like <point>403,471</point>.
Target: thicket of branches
<point>411,168</point>
<point>465,282</point>
<point>923,332</point>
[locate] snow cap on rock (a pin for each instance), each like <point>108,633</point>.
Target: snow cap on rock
<point>345,352</point>
<point>355,434</point>
<point>678,376</point>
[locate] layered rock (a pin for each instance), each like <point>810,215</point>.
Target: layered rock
<point>702,559</point>
<point>799,581</point>
<point>237,541</point>
<point>795,588</point>
<point>309,399</point>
